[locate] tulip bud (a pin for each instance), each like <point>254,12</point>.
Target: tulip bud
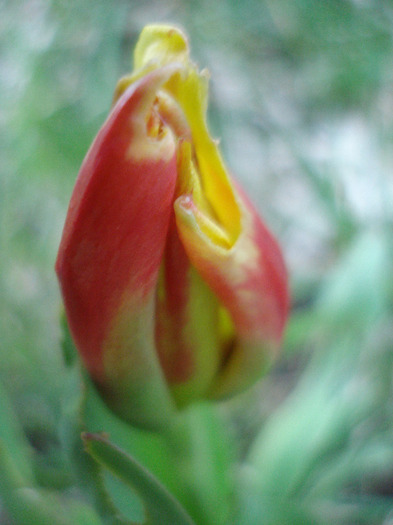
<point>174,289</point>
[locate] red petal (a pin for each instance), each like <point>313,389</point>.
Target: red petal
<point>117,222</point>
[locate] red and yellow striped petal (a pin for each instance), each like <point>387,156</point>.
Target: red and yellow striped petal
<point>112,247</point>
<point>250,281</point>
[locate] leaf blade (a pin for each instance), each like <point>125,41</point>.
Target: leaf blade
<point>161,507</point>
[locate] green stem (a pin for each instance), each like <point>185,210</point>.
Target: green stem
<point>202,458</point>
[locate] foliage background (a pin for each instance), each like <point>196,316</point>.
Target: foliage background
<point>302,100</point>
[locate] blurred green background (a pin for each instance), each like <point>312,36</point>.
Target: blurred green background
<point>302,101</point>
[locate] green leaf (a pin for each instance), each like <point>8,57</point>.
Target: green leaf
<point>126,502</point>
<point>13,438</point>
<point>33,506</point>
<point>85,471</point>
<point>37,507</point>
<point>160,506</point>
<point>355,293</point>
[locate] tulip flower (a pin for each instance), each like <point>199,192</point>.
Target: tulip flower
<point>174,289</point>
